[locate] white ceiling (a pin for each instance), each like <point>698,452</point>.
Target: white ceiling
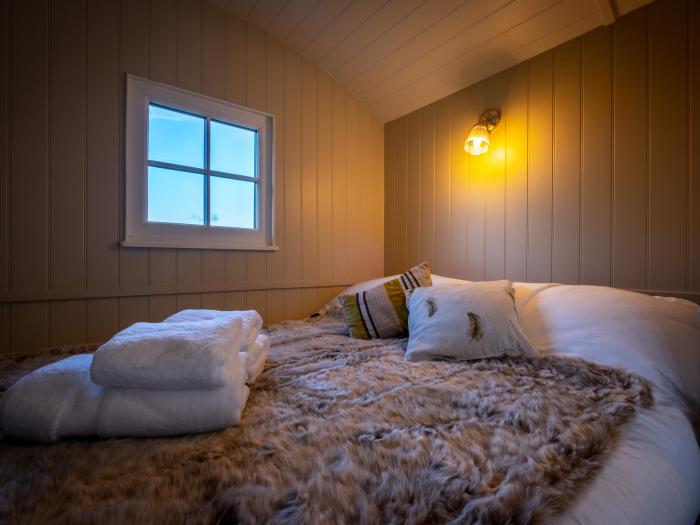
<point>399,55</point>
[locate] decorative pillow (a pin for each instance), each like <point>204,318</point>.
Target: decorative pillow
<point>381,311</point>
<point>465,321</point>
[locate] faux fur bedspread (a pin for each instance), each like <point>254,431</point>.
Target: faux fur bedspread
<point>339,430</point>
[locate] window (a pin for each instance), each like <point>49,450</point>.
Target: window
<point>199,171</point>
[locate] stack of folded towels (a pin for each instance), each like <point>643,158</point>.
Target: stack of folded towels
<point>185,375</point>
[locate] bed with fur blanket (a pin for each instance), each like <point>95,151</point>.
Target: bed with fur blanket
<point>339,430</point>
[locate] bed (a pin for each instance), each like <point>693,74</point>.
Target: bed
<point>618,372</point>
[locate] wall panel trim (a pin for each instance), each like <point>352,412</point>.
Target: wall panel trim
<point>70,295</point>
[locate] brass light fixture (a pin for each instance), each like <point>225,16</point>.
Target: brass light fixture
<point>478,140</point>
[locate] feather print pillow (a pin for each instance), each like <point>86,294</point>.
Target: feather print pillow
<point>465,321</point>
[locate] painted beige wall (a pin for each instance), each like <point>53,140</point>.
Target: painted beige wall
<point>63,277</point>
<point>593,175</point>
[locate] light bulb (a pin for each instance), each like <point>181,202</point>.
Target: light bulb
<point>478,140</point>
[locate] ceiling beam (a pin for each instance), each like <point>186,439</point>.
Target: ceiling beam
<point>606,10</point>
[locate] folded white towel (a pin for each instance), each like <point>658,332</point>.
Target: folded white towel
<point>153,413</point>
<point>168,355</point>
<point>55,401</point>
<point>252,322</point>
<point>256,359</point>
<point>60,400</point>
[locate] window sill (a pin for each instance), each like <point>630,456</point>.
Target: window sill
<point>203,245</point>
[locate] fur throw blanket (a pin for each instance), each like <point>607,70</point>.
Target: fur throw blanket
<point>339,430</point>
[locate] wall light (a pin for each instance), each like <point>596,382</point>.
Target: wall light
<point>478,140</point>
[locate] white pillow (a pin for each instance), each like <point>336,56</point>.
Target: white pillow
<point>465,321</point>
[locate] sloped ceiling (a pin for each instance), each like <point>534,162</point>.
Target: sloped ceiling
<point>399,55</point>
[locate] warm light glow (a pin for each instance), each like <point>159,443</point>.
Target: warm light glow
<point>478,140</point>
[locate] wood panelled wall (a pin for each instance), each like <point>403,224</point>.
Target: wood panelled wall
<point>593,175</point>
<point>63,276</point>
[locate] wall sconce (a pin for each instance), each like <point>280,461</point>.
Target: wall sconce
<point>478,140</point>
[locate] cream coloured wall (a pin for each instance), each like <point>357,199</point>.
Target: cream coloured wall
<point>593,175</point>
<point>63,276</point>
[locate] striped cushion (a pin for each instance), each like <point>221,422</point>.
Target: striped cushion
<point>381,311</point>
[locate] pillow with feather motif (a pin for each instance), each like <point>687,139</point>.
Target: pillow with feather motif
<point>465,321</point>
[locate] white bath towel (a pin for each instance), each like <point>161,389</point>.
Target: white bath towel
<point>252,322</point>
<point>60,401</point>
<point>256,359</point>
<point>153,413</point>
<point>168,355</point>
<point>55,401</point>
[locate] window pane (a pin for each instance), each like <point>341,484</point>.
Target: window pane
<point>232,203</point>
<point>175,137</point>
<point>232,149</point>
<point>175,196</point>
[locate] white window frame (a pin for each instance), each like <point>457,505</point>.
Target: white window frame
<point>138,231</point>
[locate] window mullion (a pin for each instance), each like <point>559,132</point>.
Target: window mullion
<point>207,181</point>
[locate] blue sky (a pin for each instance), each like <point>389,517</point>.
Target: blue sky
<point>179,196</point>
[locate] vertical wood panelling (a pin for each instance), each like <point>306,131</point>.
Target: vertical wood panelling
<point>213,84</point>
<point>257,300</point>
<point>235,301</point>
<point>212,301</point>
<point>566,210</point>
<point>134,309</point>
<point>340,225</point>
<point>389,196</point>
<point>694,229</point>
<point>275,306</point>
<point>376,154</point>
<point>442,187</point>
<point>400,198</point>
<point>540,143</point>
<point>160,307</point>
<point>67,134</point>
<point>495,186</point>
<point>309,183</point>
<point>462,184</point>
<point>474,225</point>
<point>596,157</point>
<point>292,304</point>
<point>427,185</point>
<point>364,195</point>
<point>630,190</point>
<point>29,147</point>
<point>61,111</point>
<point>162,67</point>
<point>102,152</point>
<point>30,327</point>
<point>591,176</point>
<point>292,165</point>
<point>101,319</point>
<point>668,156</point>
<point>325,176</point>
<point>353,188</point>
<point>516,161</point>
<point>185,301</point>
<point>413,196</point>
<point>236,81</point>
<point>256,97</point>
<point>5,328</point>
<point>67,322</point>
<point>309,301</point>
<point>189,76</point>
<point>275,105</point>
<point>5,37</point>
<point>133,264</point>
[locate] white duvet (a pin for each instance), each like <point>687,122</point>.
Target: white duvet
<point>653,476</point>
